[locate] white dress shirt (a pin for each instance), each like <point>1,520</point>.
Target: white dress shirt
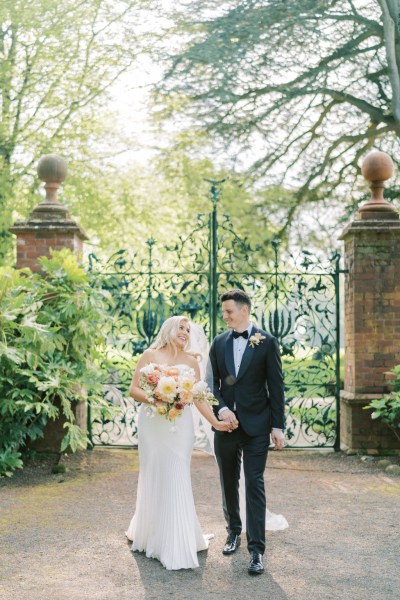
<point>239,346</point>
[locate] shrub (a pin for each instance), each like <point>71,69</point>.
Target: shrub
<point>52,332</point>
<point>387,409</point>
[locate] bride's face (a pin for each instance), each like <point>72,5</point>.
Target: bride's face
<point>182,335</point>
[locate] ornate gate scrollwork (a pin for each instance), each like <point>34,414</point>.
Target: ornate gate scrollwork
<point>297,299</point>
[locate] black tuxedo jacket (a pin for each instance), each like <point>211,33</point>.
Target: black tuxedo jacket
<point>258,390</point>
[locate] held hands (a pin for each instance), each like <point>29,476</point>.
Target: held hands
<point>228,421</point>
<point>225,426</point>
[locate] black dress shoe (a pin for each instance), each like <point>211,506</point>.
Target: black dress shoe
<point>232,543</point>
<point>256,566</point>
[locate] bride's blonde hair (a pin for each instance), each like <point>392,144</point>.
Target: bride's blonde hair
<point>167,334</point>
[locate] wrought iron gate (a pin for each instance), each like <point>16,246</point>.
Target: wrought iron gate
<point>296,298</point>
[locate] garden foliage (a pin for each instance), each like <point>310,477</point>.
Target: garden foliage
<point>387,409</point>
<point>52,333</point>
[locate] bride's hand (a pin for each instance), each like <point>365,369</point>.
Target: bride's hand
<point>224,426</point>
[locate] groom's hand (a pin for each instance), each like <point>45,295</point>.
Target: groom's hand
<point>230,417</point>
<point>278,438</point>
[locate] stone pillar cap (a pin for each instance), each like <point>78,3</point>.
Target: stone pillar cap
<point>50,214</point>
<point>52,168</point>
<point>376,168</point>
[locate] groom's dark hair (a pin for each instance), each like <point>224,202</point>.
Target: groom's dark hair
<point>239,296</point>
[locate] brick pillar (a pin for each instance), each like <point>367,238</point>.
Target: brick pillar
<point>49,226</point>
<point>372,311</point>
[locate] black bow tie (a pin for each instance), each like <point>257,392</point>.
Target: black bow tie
<point>237,334</point>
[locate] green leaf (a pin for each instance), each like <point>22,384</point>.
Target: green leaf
<point>11,353</point>
<point>75,438</point>
<point>10,460</point>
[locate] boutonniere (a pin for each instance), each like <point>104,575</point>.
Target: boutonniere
<point>256,339</point>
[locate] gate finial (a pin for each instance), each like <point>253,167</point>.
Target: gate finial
<point>215,189</point>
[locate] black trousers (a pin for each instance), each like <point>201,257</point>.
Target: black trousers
<point>229,450</point>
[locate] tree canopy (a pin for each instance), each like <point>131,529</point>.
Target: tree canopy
<point>57,62</point>
<point>293,92</point>
<point>297,90</point>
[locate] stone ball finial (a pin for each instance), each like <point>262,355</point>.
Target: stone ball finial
<point>376,168</point>
<point>52,169</point>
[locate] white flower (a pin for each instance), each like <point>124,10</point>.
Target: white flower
<point>187,371</point>
<point>186,383</point>
<point>150,411</point>
<point>167,387</point>
<point>200,387</point>
<point>147,369</point>
<point>256,339</point>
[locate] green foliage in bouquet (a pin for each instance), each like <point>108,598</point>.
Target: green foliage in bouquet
<point>387,409</point>
<point>52,336</point>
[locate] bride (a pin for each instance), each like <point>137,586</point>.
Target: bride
<point>165,524</point>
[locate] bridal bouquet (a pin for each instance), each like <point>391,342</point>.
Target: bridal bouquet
<point>170,389</point>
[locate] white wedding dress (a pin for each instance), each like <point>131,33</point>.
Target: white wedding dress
<point>165,525</point>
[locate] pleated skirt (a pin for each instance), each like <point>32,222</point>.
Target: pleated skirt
<point>165,524</point>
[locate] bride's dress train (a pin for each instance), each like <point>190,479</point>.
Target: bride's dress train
<point>165,525</point>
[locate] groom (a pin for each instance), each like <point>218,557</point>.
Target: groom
<point>248,384</point>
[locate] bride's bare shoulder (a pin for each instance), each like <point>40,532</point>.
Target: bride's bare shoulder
<point>192,360</point>
<point>148,355</point>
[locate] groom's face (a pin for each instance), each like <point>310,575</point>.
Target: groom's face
<point>235,315</point>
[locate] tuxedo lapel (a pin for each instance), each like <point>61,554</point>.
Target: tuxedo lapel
<point>247,356</point>
<point>229,360</point>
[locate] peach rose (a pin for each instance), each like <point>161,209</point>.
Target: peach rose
<point>171,372</point>
<point>186,397</point>
<point>165,399</point>
<point>153,378</point>
<point>173,413</point>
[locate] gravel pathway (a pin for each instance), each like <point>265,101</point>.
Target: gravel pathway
<point>62,536</point>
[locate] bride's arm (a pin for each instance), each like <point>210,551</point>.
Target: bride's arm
<point>206,411</point>
<point>135,391</point>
